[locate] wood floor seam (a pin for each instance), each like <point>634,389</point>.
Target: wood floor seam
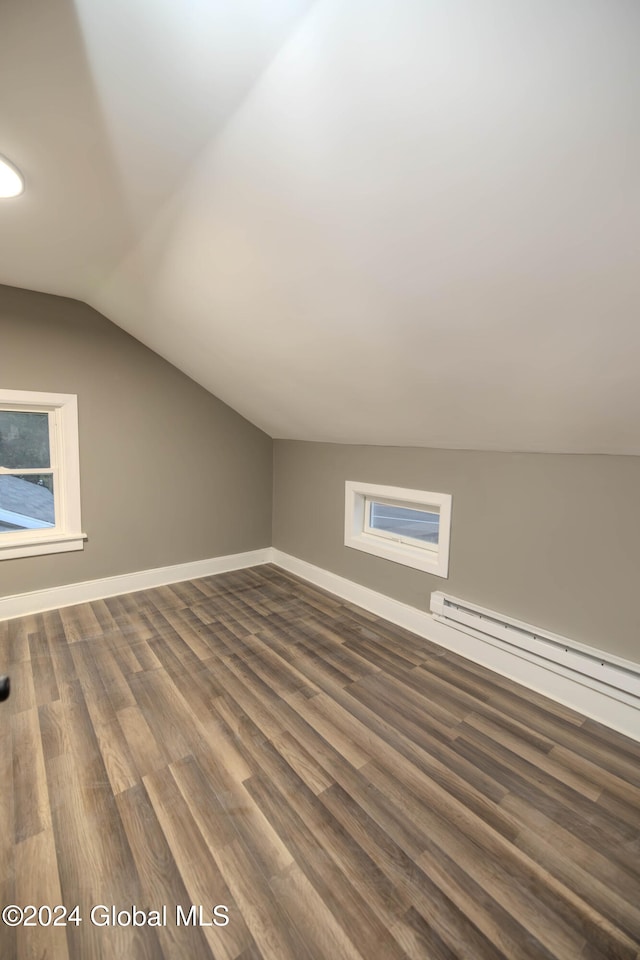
<point>344,789</point>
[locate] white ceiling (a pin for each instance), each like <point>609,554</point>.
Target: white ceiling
<point>374,221</point>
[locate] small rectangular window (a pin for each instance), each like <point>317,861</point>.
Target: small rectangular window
<point>402,523</point>
<point>407,526</point>
<point>39,474</point>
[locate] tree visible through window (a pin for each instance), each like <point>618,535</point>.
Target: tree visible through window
<point>26,483</point>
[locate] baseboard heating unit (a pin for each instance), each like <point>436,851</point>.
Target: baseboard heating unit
<point>619,678</point>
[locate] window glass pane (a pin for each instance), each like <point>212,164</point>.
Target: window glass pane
<point>26,502</point>
<point>24,440</point>
<point>405,522</point>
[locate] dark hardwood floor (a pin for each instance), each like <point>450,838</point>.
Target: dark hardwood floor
<point>347,790</point>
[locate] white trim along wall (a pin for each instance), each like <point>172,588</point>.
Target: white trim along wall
<point>67,596</point>
<point>616,708</point>
<point>619,709</point>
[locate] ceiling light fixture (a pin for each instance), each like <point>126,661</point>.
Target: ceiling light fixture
<point>11,182</point>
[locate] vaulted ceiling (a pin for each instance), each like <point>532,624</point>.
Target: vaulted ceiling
<point>374,221</point>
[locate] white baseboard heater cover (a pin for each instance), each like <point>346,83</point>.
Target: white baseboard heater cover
<point>620,677</point>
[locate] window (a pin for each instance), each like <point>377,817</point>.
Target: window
<point>39,474</point>
<point>407,526</point>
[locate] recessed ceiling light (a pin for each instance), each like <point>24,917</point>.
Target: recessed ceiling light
<point>11,182</point>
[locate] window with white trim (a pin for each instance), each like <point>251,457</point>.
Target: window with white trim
<point>407,526</point>
<point>39,474</point>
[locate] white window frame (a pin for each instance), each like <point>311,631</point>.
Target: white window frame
<point>358,534</point>
<point>66,534</point>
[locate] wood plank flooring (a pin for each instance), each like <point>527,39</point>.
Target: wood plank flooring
<point>347,790</point>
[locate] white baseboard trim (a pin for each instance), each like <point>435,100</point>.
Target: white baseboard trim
<point>38,601</point>
<point>615,708</point>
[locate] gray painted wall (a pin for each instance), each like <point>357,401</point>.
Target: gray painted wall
<point>551,539</point>
<point>169,473</point>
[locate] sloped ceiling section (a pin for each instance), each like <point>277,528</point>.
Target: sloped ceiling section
<point>374,221</point>
<point>104,104</point>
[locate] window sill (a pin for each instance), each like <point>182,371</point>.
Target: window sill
<point>410,557</point>
<point>44,544</point>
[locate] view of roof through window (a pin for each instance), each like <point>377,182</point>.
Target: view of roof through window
<point>26,478</point>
